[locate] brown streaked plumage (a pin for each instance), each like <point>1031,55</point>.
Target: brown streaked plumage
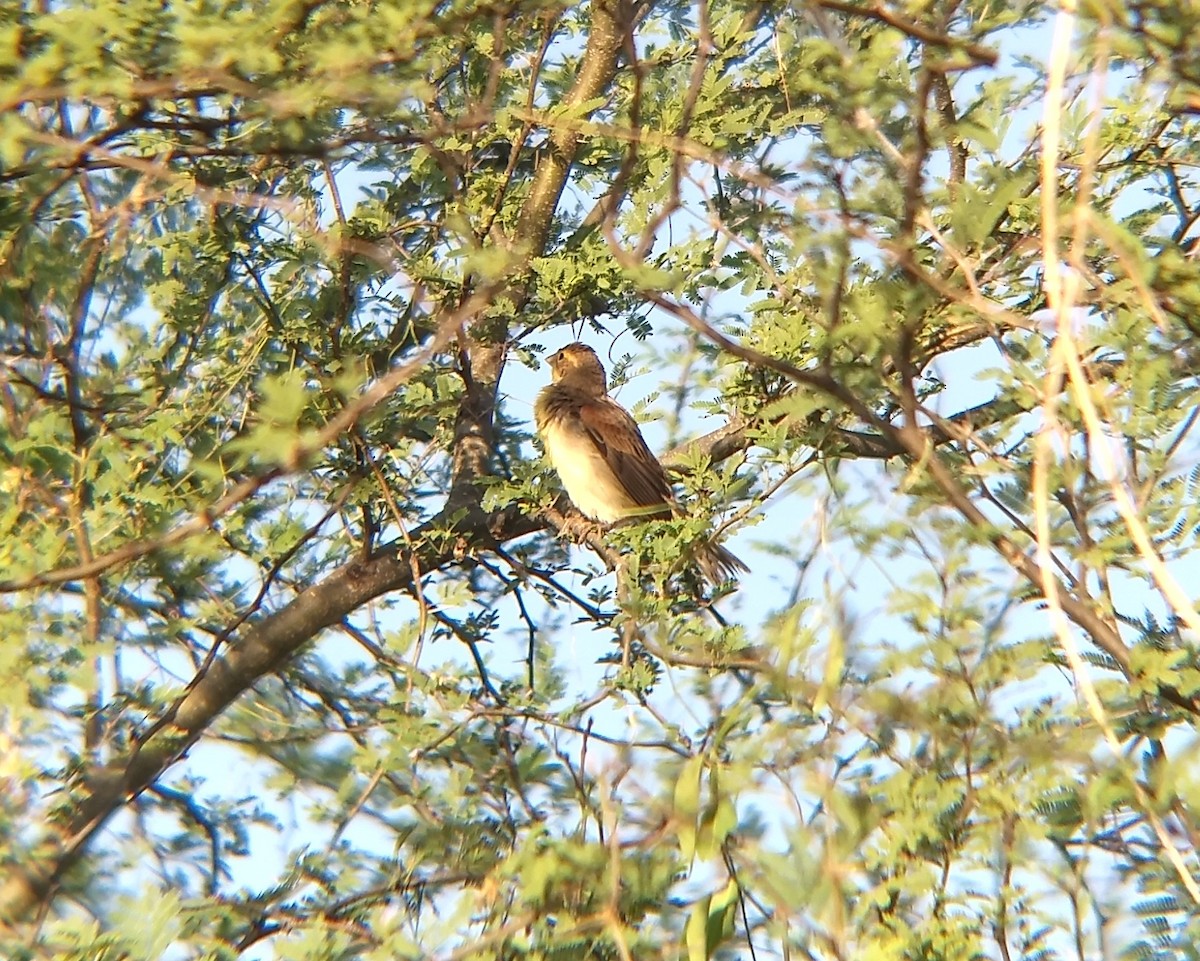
<point>601,457</point>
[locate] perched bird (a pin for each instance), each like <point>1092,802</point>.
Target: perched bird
<point>601,457</point>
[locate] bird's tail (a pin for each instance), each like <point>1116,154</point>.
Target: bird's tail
<point>719,565</point>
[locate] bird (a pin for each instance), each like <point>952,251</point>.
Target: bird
<point>601,457</point>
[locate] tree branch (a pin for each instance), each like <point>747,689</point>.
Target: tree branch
<point>265,645</point>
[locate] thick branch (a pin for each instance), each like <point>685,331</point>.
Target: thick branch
<point>262,648</point>
<point>737,435</point>
<point>485,342</point>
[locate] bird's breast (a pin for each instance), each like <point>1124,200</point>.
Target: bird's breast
<point>586,476</point>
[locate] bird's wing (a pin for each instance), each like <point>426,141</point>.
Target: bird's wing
<point>618,439</point>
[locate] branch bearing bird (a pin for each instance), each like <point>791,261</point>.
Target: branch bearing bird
<point>600,456</point>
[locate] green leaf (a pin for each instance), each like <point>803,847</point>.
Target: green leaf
<point>687,804</point>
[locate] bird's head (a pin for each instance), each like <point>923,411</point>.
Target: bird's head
<point>577,365</point>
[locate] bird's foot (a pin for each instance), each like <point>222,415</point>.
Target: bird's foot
<point>580,529</point>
